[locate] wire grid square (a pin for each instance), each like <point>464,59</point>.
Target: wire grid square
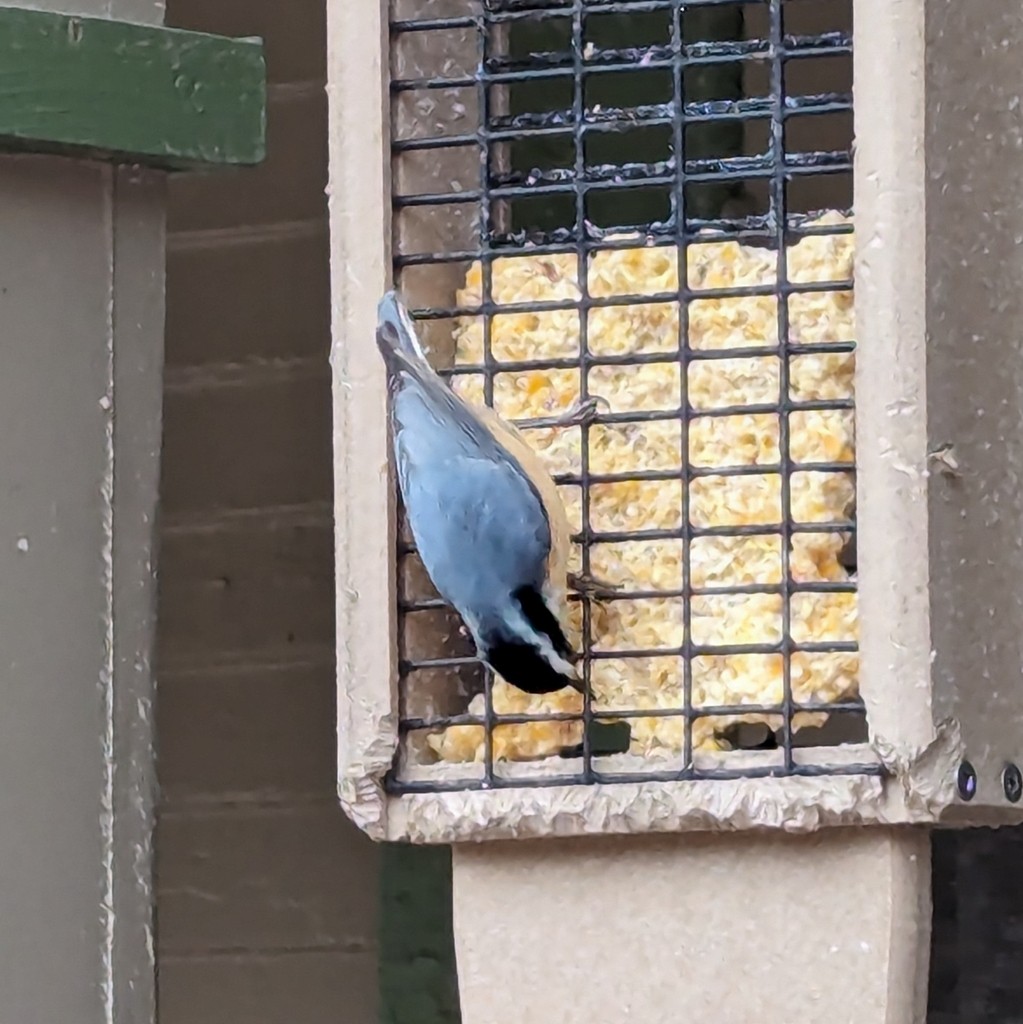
<point>546,95</point>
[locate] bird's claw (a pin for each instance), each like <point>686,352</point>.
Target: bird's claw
<point>583,412</point>
<point>591,586</point>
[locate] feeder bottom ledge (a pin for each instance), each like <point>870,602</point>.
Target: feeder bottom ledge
<point>828,928</point>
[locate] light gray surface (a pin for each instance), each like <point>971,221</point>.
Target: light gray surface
<point>733,928</point>
<point>139,245</point>
<point>79,435</point>
<point>974,142</point>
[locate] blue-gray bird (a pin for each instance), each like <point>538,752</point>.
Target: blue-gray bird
<point>486,517</point>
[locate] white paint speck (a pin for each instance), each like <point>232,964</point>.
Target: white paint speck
<point>104,403</point>
<point>23,543</point>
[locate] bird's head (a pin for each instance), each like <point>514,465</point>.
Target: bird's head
<point>527,646</point>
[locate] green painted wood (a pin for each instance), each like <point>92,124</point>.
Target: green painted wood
<point>123,92</point>
<point>417,947</point>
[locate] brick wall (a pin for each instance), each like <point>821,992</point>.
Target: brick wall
<point>267,897</point>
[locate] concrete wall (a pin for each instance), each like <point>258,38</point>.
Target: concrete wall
<point>266,896</point>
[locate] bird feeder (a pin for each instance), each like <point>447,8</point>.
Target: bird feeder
<point>802,479</point>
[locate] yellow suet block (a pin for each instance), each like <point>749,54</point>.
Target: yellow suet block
<point>739,439</point>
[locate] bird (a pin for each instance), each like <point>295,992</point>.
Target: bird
<point>485,515</point>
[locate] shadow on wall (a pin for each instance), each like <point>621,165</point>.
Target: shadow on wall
<point>978,927</point>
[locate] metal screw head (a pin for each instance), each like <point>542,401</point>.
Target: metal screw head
<point>1012,783</point>
<point>966,781</point>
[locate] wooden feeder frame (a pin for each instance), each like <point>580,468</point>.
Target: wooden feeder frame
<point>939,506</point>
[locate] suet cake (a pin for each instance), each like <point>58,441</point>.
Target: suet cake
<point>743,439</point>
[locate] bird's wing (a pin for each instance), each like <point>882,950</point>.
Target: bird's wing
<point>478,526</point>
<point>561,533</point>
<point>435,396</point>
<point>479,431</point>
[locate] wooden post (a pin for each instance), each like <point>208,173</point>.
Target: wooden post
<point>81,289</point>
<point>744,927</point>
<point>82,304</point>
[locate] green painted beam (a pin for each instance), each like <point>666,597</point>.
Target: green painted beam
<point>418,984</point>
<point>114,90</point>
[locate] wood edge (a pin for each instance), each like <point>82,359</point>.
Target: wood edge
<point>359,215</point>
<point>790,804</point>
<point>891,411</point>
<point>909,943</point>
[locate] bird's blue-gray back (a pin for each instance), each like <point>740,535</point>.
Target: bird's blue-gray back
<point>468,494</point>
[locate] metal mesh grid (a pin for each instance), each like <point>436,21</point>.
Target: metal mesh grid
<point>464,84</point>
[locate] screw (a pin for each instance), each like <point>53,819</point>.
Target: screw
<point>1012,783</point>
<point>966,781</point>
